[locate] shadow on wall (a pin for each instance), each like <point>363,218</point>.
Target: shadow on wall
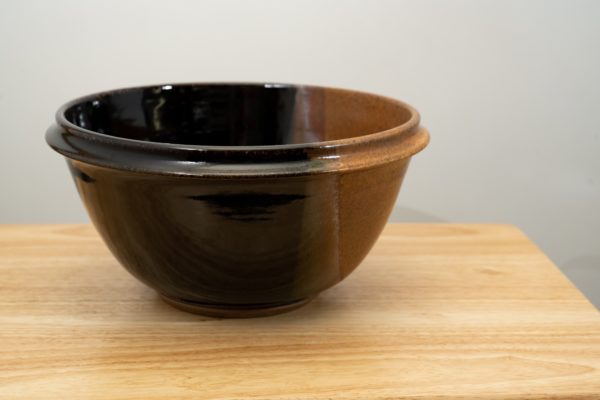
<point>583,271</point>
<point>405,214</point>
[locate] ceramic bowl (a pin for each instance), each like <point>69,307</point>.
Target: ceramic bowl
<point>238,200</point>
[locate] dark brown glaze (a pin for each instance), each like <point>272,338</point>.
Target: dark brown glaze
<point>238,200</point>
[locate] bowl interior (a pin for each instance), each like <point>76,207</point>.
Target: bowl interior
<point>236,115</point>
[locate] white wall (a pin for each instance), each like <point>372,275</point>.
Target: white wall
<point>509,89</point>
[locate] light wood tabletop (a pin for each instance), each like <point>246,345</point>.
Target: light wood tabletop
<point>435,311</point>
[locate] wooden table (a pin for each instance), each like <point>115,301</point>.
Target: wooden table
<point>435,311</point>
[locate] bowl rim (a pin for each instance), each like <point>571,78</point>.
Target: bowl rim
<point>69,139</point>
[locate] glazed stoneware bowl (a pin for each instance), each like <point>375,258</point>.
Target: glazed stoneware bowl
<point>238,200</point>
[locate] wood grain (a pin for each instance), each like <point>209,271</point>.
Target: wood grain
<point>435,311</point>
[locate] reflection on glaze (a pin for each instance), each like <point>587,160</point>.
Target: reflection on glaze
<point>247,207</point>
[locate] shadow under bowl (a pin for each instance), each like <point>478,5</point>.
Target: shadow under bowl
<point>238,200</point>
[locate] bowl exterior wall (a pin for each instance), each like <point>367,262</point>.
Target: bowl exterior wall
<point>239,241</point>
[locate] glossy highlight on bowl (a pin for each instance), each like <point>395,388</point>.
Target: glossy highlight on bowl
<point>238,200</point>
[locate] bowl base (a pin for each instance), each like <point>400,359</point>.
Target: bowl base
<point>217,311</point>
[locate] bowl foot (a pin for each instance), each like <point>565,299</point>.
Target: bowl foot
<point>218,311</point>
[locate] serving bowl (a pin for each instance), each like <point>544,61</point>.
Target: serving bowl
<point>238,200</point>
